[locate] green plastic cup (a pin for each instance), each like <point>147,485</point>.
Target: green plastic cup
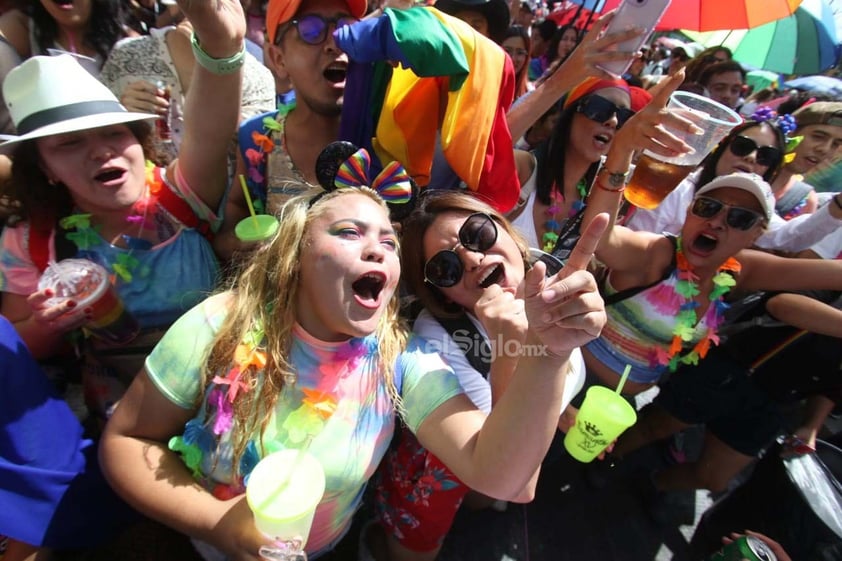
<point>283,491</point>
<point>603,417</point>
<point>256,228</point>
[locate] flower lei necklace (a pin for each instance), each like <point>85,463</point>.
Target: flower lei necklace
<point>255,157</point>
<point>679,299</point>
<point>84,236</point>
<point>552,226</point>
<point>302,425</point>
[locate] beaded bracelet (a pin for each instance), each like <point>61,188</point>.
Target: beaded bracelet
<point>227,65</point>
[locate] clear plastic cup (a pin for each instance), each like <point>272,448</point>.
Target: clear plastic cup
<point>283,492</point>
<point>87,283</point>
<point>656,176</point>
<point>603,417</point>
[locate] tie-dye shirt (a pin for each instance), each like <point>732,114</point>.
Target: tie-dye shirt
<point>349,443</point>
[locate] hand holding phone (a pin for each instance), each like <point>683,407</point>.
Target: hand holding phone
<point>639,14</point>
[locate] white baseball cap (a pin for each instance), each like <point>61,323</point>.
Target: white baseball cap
<point>750,182</point>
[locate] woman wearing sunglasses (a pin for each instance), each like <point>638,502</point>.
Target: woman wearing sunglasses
<point>466,265</point>
<point>307,351</point>
<point>665,294</point>
<point>591,114</point>
<point>756,146</point>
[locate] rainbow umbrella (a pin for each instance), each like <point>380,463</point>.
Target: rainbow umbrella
<point>710,15</point>
<point>803,43</point>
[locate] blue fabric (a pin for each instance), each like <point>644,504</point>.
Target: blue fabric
<point>157,294</point>
<point>51,490</point>
<point>257,190</point>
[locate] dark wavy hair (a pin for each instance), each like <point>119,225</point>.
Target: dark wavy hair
<point>104,28</point>
<point>708,172</point>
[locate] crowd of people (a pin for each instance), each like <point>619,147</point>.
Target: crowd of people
<point>450,265</point>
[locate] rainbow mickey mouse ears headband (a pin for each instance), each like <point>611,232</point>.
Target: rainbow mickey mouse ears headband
<point>342,165</point>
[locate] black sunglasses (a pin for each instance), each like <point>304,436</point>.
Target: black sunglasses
<point>597,108</point>
<point>313,28</point>
<point>738,217</point>
<point>742,146</point>
<point>478,233</point>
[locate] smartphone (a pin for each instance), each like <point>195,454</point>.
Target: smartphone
<point>643,14</point>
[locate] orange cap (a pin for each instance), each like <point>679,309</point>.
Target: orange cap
<point>281,11</point>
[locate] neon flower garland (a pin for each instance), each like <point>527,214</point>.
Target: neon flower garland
<point>679,300</point>
<point>553,226</point>
<point>265,145</point>
<point>84,236</point>
<point>216,418</point>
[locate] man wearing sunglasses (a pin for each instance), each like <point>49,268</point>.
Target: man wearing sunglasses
<point>300,49</point>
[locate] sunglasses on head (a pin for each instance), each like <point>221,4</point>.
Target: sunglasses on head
<point>742,146</point>
<point>478,233</point>
<point>737,217</point>
<point>313,28</point>
<point>597,108</point>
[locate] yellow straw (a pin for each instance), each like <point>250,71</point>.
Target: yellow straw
<point>623,378</point>
<point>248,199</point>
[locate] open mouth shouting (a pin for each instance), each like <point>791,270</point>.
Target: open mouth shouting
<point>491,276</point>
<point>602,140</point>
<point>368,289</point>
<point>704,244</point>
<point>110,176</point>
<point>336,72</point>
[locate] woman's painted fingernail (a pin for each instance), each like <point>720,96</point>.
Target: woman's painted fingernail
<point>70,304</point>
<point>88,311</point>
<point>49,293</point>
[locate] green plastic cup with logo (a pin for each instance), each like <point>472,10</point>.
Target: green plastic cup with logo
<point>604,415</point>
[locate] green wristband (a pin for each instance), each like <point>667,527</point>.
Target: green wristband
<point>217,65</point>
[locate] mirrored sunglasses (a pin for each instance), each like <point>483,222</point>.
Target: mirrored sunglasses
<point>737,217</point>
<point>742,146</point>
<point>478,233</point>
<point>597,108</point>
<point>313,28</point>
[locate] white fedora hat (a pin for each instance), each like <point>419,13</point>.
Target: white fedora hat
<point>49,95</point>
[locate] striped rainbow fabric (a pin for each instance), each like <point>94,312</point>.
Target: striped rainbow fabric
<point>450,79</point>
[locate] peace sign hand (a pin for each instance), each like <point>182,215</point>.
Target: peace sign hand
<point>565,311</point>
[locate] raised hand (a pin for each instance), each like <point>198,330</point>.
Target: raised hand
<point>565,311</point>
<point>650,127</point>
<point>596,48</point>
<point>220,25</point>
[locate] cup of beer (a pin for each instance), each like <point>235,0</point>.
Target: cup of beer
<point>656,176</point>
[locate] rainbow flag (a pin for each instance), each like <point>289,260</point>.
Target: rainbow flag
<point>449,81</point>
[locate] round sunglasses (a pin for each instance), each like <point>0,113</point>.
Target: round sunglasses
<point>478,233</point>
<point>742,146</point>
<point>738,217</point>
<point>597,108</point>
<point>313,28</point>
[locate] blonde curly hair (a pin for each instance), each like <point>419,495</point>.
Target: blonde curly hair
<point>261,300</point>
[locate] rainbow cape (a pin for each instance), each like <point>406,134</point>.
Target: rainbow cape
<point>449,80</point>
